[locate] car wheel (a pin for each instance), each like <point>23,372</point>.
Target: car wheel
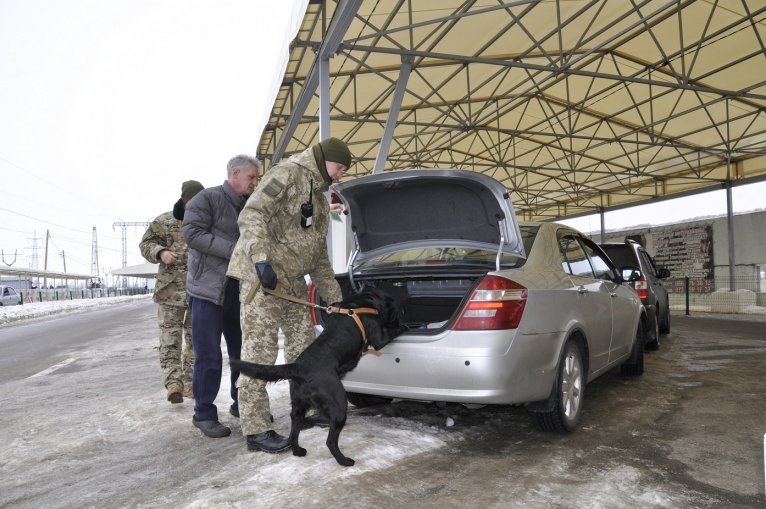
<point>665,322</point>
<point>634,366</point>
<point>569,393</point>
<point>653,342</point>
<point>364,400</point>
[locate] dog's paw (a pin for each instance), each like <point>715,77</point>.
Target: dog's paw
<point>299,451</point>
<point>346,462</point>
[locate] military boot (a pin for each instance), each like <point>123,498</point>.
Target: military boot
<point>175,392</point>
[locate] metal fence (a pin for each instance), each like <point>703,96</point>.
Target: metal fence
<point>717,295</point>
<point>58,294</point>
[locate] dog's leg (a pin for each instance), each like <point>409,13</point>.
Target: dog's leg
<point>336,413</point>
<point>297,416</point>
<point>336,426</point>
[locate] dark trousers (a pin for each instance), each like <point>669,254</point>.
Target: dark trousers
<point>209,321</point>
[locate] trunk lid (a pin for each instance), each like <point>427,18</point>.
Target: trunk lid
<point>409,209</point>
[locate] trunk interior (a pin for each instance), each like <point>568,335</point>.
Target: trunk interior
<point>427,304</point>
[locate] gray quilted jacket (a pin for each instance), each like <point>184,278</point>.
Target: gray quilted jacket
<point>211,231</point>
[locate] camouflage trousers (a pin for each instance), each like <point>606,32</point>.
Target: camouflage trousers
<point>261,321</point>
<point>176,354</point>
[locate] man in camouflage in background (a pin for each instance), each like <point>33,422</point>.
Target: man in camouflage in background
<point>284,224</point>
<point>163,243</point>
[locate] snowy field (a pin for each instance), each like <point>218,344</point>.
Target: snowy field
<point>35,310</point>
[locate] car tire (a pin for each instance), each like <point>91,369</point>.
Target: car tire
<point>365,400</point>
<point>653,343</point>
<point>569,392</point>
<point>634,366</point>
<point>665,322</point>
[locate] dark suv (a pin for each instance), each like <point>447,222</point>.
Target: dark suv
<point>648,286</point>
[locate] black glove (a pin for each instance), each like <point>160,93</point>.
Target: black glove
<point>266,275</point>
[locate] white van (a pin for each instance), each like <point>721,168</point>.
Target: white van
<point>9,296</point>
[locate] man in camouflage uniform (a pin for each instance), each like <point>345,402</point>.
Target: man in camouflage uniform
<point>274,228</point>
<point>163,243</point>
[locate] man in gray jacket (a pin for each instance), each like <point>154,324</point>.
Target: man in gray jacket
<point>211,231</point>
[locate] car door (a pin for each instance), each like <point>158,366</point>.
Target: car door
<point>653,279</point>
<point>594,306</point>
<point>623,311</point>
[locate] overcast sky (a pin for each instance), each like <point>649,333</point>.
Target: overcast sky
<point>107,106</point>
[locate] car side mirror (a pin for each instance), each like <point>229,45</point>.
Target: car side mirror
<point>630,274</point>
<point>662,273</point>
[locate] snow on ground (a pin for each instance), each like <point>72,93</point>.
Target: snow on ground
<point>34,310</point>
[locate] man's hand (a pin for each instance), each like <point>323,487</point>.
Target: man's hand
<point>168,257</point>
<point>266,275</point>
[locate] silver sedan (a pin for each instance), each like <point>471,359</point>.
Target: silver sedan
<point>499,312</point>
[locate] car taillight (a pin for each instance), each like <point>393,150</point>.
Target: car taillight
<point>313,299</point>
<point>497,303</point>
<point>642,288</point>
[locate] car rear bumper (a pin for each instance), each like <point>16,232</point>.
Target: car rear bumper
<point>488,367</point>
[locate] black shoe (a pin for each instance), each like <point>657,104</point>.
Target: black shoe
<point>212,429</point>
<point>268,441</point>
<point>315,420</point>
<point>234,410</point>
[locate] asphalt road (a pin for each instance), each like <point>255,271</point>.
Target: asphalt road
<point>85,424</point>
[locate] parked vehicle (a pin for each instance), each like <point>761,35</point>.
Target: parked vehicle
<point>9,296</point>
<point>648,285</point>
<point>498,312</point>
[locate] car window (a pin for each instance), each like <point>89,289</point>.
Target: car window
<point>647,263</point>
<point>621,255</point>
<point>601,265</point>
<point>6,292</point>
<point>574,260</point>
<point>439,256</point>
<point>528,235</point>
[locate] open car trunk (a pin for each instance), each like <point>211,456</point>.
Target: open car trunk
<point>428,304</point>
<point>426,237</point>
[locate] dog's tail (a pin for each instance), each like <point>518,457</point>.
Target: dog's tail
<point>266,372</point>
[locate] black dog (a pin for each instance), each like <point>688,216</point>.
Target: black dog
<point>316,373</point>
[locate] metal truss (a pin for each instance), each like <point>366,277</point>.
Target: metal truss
<point>577,106</point>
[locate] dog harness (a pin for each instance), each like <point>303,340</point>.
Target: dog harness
<point>353,313</point>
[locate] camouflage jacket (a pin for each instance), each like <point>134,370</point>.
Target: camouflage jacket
<point>165,233</point>
<point>270,227</point>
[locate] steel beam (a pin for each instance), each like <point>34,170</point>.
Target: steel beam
<point>393,116</point>
<point>341,20</point>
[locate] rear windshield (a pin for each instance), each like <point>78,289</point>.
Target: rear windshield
<point>440,257</point>
<point>621,255</point>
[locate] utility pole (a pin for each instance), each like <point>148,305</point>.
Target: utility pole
<point>34,251</point>
<point>95,280</point>
<point>45,266</point>
<point>124,225</point>
<point>63,259</point>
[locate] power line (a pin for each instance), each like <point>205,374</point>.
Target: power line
<point>43,221</point>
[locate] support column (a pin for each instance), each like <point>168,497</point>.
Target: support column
<point>324,97</point>
<point>393,115</point>
<point>730,226</point>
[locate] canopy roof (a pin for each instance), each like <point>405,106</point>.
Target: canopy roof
<point>145,270</point>
<point>575,106</point>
